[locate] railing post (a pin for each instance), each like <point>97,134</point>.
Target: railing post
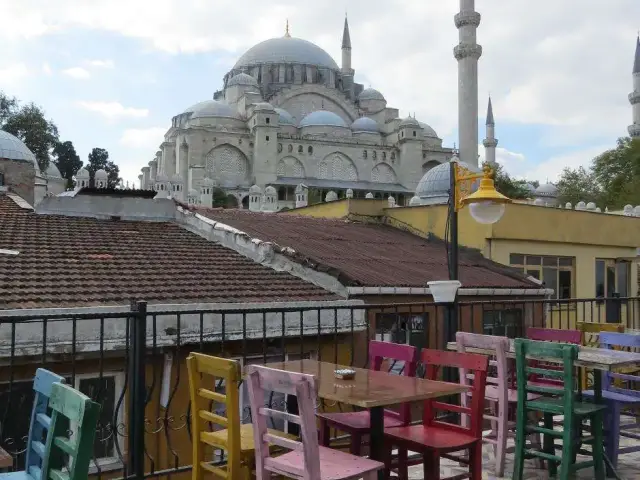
<point>137,388</point>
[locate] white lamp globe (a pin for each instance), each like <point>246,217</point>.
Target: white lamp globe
<point>487,212</point>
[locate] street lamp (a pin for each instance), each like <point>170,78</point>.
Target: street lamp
<point>486,204</point>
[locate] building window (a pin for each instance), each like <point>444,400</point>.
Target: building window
<point>612,277</point>
<point>300,149</point>
<point>405,328</point>
<point>556,273</point>
<point>414,133</point>
<point>106,390</point>
<point>268,120</point>
<point>310,150</point>
<point>507,323</point>
<point>1,179</point>
<point>267,138</point>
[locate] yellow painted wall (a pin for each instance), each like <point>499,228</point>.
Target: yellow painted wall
<point>337,209</point>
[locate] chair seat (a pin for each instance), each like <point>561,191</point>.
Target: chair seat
<point>334,464</point>
<point>556,406</point>
<point>16,476</point>
<point>615,396</point>
<point>432,437</point>
<point>491,393</point>
<point>247,446</point>
<point>357,420</point>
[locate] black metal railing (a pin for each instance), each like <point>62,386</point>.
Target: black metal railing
<point>131,359</point>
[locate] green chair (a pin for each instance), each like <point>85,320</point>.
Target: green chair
<point>556,401</point>
<point>73,427</point>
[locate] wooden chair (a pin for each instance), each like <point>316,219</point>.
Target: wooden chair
<point>357,423</point>
<point>307,460</point>
<point>501,398</point>
<point>436,438</point>
<point>619,399</point>
<point>40,423</point>
<point>69,452</point>
<point>590,338</point>
<point>551,335</point>
<point>562,401</point>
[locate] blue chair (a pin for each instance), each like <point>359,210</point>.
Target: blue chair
<point>618,399</point>
<point>40,421</point>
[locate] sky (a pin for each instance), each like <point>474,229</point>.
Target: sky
<point>112,73</point>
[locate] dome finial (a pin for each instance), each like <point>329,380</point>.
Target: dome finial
<point>286,33</point>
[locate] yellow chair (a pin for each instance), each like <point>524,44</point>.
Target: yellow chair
<point>591,338</point>
<point>235,439</point>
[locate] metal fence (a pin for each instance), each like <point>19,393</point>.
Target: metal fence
<point>131,360</point>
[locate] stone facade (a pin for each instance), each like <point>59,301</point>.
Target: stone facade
<point>18,177</point>
<point>288,115</point>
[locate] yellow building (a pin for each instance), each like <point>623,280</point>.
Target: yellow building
<point>578,254</point>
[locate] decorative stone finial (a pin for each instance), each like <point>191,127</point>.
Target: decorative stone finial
<point>287,34</point>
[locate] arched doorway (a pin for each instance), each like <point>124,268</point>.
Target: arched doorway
<point>232,201</point>
<point>245,202</point>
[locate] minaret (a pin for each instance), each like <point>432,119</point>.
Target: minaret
<point>491,142</point>
<point>467,52</point>
<point>346,49</point>
<point>634,97</point>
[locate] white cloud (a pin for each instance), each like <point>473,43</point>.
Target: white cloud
<point>146,139</point>
<point>78,73</point>
<point>114,110</point>
<point>550,169</point>
<point>46,69</point>
<point>509,160</point>
<point>101,63</point>
<point>12,74</point>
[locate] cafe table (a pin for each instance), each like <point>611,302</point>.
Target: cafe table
<point>600,359</point>
<point>370,389</point>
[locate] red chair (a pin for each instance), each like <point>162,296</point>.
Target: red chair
<point>437,438</point>
<point>551,335</point>
<point>357,423</point>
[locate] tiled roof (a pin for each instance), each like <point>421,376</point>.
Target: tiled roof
<point>71,261</point>
<point>365,254</point>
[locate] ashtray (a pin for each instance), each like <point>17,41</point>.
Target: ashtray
<point>345,374</point>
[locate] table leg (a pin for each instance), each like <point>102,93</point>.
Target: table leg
<point>376,442</point>
<point>597,393</point>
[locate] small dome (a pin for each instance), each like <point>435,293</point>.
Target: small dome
<point>255,189</point>
<point>409,122</point>
<point>242,79</point>
<point>12,148</point>
<point>193,193</point>
<point>581,206</point>
<point>322,118</point>
<point>270,191</point>
<point>161,178</point>
<point>331,196</point>
<point>428,131</point>
<point>84,173</point>
<point>433,188</point>
<point>101,174</point>
<point>285,117</point>
<point>568,206</point>
<point>636,211</point>
<point>369,195</point>
<point>365,124</point>
<point>286,50</point>
<point>349,193</point>
<point>591,206</point>
<point>415,200</point>
<point>370,94</point>
<point>52,171</point>
<point>301,188</point>
<point>547,190</point>
<point>263,107</point>
<point>207,182</point>
<point>211,108</point>
<point>628,210</point>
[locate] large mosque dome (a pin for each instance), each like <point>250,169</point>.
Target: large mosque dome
<point>434,186</point>
<point>286,50</point>
<point>12,148</point>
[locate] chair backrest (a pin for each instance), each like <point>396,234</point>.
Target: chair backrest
<point>468,363</point>
<point>528,351</point>
<point>379,351</point>
<point>591,338</point>
<point>202,399</point>
<point>498,346</point>
<point>261,380</point>
<point>624,340</point>
<point>67,448</point>
<point>40,421</point>
<point>551,335</point>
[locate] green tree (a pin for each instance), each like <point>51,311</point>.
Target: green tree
<point>29,124</point>
<point>514,189</point>
<point>578,185</point>
<point>67,161</point>
<point>99,159</point>
<point>617,172</point>
<point>219,198</point>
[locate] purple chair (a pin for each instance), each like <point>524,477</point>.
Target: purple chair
<point>618,399</point>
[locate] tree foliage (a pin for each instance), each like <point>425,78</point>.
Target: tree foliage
<point>612,180</point>
<point>219,198</point>
<point>29,123</point>
<point>510,187</point>
<point>67,161</point>
<point>99,159</point>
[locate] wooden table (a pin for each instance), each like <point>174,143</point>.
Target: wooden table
<point>372,390</point>
<point>6,460</point>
